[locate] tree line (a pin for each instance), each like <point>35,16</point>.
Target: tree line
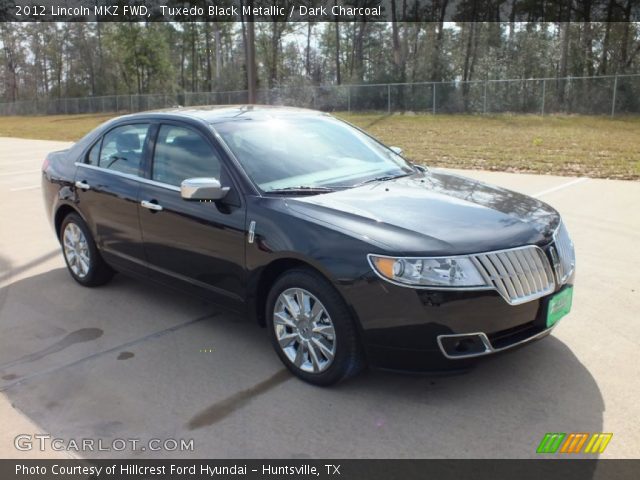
<point>76,59</point>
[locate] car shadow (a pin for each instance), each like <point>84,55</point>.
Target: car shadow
<point>518,396</point>
<point>109,347</point>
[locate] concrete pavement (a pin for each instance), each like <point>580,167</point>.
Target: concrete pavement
<point>132,360</point>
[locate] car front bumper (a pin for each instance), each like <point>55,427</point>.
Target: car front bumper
<point>431,331</point>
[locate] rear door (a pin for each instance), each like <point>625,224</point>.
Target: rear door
<point>107,185</point>
<point>200,243</point>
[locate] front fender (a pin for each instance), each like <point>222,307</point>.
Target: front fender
<point>287,240</point>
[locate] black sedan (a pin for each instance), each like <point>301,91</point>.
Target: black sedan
<point>349,254</point>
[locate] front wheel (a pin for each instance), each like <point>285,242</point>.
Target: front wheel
<point>312,329</point>
<point>83,259</point>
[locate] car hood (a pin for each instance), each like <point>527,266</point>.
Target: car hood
<point>433,213</point>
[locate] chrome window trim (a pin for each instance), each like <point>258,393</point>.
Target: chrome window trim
<point>489,349</point>
<point>129,176</point>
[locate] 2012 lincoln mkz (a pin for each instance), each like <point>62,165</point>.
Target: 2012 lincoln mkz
<point>348,254</point>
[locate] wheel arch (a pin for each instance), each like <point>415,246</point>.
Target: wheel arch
<point>264,279</point>
<point>61,213</point>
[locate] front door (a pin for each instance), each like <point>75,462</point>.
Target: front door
<point>197,242</point>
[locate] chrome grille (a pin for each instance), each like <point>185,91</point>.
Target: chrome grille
<point>566,261</point>
<point>519,274</point>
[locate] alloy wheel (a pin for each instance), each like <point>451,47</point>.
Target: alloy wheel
<point>304,330</point>
<point>76,250</point>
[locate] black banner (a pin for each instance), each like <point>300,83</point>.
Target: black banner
<point>547,469</point>
<point>320,10</point>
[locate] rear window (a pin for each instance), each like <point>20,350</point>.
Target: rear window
<point>122,148</point>
<point>94,154</point>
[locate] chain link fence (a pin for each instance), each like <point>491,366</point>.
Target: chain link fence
<point>603,95</point>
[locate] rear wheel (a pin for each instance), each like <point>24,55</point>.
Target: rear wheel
<point>312,329</point>
<point>83,259</point>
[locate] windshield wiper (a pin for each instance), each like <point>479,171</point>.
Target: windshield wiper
<point>301,189</point>
<point>382,178</point>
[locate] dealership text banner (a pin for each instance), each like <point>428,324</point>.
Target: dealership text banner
<point>319,469</point>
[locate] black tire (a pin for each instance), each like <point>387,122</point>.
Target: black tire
<point>98,272</point>
<point>348,359</point>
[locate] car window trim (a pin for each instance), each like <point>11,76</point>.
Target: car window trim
<point>129,176</point>
<point>144,174</point>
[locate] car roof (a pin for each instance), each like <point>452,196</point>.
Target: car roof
<point>213,114</point>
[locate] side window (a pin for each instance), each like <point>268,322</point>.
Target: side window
<point>182,153</point>
<point>94,154</point>
<point>122,148</point>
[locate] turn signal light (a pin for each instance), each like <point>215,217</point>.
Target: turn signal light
<point>384,265</point>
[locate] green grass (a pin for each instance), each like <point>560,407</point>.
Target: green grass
<point>560,145</point>
<point>51,127</point>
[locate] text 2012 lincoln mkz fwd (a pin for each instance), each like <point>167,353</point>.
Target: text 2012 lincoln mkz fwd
<point>349,254</point>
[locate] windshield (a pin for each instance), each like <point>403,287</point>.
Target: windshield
<point>294,151</point>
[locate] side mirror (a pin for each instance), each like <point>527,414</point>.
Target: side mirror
<point>202,189</point>
<point>396,150</point>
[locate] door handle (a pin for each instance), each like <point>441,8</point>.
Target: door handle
<point>151,205</point>
<point>82,185</point>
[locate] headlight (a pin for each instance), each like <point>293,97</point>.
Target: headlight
<point>456,271</point>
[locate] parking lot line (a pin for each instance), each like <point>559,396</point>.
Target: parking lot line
<point>19,189</point>
<point>560,187</point>
<point>21,172</point>
<point>14,162</point>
